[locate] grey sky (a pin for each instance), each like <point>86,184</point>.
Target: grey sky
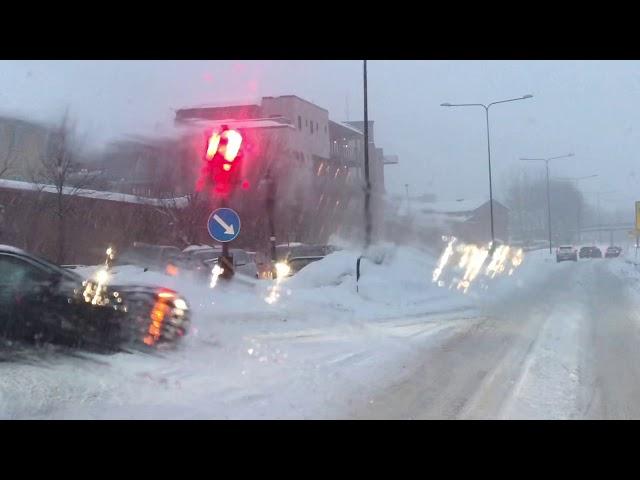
<point>585,107</point>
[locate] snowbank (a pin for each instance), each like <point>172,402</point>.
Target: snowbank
<point>322,347</point>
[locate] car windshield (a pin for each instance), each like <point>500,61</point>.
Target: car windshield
<point>319,239</point>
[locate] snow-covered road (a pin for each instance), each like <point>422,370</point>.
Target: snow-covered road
<point>553,341</point>
<point>565,348</point>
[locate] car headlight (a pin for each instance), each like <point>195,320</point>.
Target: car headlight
<point>282,269</point>
<point>181,304</point>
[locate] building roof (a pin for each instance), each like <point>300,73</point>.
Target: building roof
<point>453,206</point>
<point>96,194</point>
<point>299,98</point>
<point>351,129</point>
<point>253,123</point>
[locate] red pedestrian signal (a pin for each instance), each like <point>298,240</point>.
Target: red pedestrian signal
<point>223,155</point>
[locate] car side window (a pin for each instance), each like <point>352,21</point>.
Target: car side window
<point>17,275</point>
<point>240,258</point>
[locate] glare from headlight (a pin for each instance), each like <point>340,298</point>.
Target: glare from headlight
<point>102,276</point>
<point>181,304</point>
<point>282,270</point>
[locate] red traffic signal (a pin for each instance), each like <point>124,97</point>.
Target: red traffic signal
<point>222,156</point>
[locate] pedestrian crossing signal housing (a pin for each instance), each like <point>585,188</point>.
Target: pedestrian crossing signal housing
<point>223,155</point>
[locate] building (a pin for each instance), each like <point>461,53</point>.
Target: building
<point>318,163</point>
<point>92,220</point>
<point>429,220</point>
<point>470,220</point>
<point>24,145</point>
<point>145,166</point>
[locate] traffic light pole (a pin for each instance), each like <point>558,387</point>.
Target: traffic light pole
<point>367,196</point>
<point>270,185</point>
<point>226,260</point>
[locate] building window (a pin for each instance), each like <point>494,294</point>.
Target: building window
<point>325,129</point>
<point>311,127</point>
<point>299,122</point>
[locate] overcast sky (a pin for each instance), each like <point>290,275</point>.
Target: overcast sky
<point>589,108</point>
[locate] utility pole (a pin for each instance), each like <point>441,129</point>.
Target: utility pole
<point>367,194</point>
<point>270,187</point>
<point>486,111</point>
<point>406,186</point>
<point>546,161</point>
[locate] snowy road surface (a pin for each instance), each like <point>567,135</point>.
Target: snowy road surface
<point>567,348</point>
<point>553,341</point>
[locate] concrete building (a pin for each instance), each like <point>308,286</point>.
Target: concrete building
<point>24,145</point>
<point>427,220</point>
<point>318,162</point>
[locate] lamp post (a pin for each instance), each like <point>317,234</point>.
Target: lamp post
<point>367,197</point>
<point>546,161</point>
<point>486,110</point>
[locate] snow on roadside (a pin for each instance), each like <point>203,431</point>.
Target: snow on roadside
<point>321,346</point>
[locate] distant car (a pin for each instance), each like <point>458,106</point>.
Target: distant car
<point>153,257</point>
<point>566,252</point>
<point>283,252</point>
<point>612,252</point>
<point>298,263</point>
<point>243,263</point>
<point>590,252</point>
<point>44,303</point>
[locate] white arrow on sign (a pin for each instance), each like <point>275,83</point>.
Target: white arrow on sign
<point>228,229</point>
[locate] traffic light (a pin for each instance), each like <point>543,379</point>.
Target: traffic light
<point>223,158</point>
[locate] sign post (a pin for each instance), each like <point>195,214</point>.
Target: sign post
<point>637,231</point>
<point>224,226</point>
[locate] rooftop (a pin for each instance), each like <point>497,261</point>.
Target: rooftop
<point>96,194</point>
<point>461,205</point>
<point>253,123</point>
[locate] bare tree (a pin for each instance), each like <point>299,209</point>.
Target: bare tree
<point>58,169</point>
<point>7,164</point>
<point>527,202</point>
<point>187,216</point>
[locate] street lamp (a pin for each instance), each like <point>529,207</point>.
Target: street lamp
<point>577,180</point>
<point>486,109</point>
<point>546,161</point>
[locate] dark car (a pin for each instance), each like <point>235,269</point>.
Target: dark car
<point>296,264</point>
<point>152,257</point>
<point>590,252</point>
<point>612,252</point>
<point>566,252</point>
<point>41,302</point>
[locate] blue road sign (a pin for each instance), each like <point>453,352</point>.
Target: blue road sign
<point>223,224</point>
